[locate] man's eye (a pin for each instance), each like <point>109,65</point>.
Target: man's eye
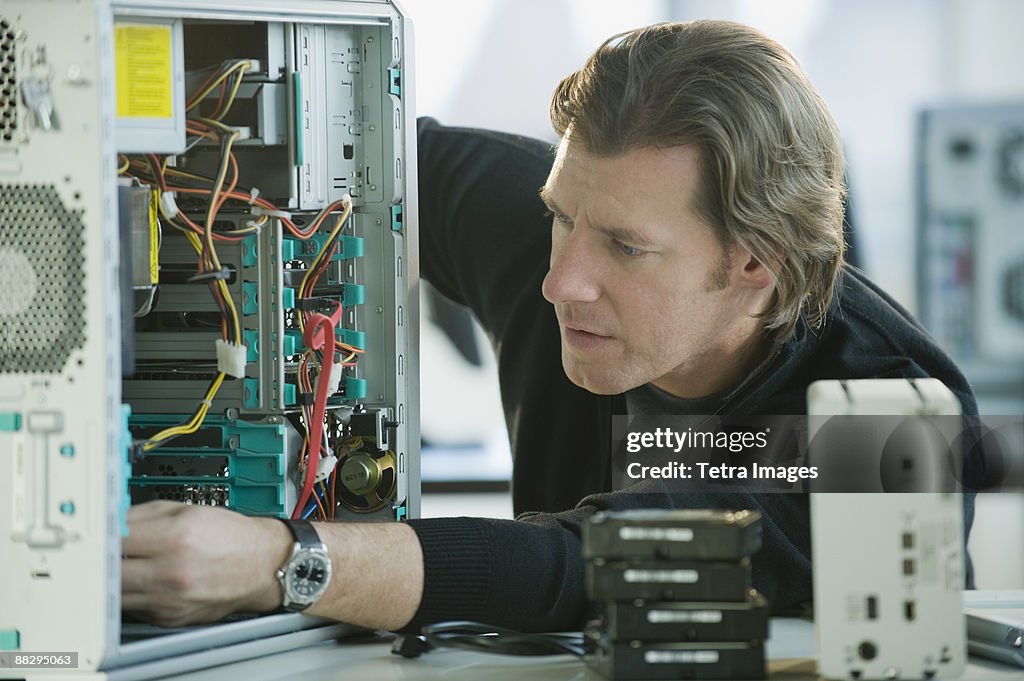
<point>629,251</point>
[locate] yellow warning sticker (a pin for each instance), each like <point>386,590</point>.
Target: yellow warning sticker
<point>144,79</point>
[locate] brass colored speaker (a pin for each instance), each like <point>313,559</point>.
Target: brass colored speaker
<point>368,480</point>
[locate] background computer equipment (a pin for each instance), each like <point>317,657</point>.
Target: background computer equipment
<point>970,247</point>
<point>888,546</point>
<point>208,256</point>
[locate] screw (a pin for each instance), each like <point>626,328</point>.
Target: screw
<point>380,309</point>
<point>379,222</point>
<point>67,451</point>
<point>373,187</point>
<point>74,73</point>
<point>380,397</point>
<point>373,128</point>
<point>309,247</point>
<point>67,507</point>
<point>369,39</point>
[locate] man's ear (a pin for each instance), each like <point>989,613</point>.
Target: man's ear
<point>752,273</point>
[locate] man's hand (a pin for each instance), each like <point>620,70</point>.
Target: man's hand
<point>185,564</point>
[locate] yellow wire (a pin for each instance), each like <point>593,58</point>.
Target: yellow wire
<point>224,291</point>
<point>231,98</point>
<point>346,210</point>
<point>231,307</point>
<point>200,96</point>
<point>121,169</point>
<point>215,192</point>
<point>193,424</point>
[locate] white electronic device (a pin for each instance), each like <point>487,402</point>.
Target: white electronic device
<point>888,553</point>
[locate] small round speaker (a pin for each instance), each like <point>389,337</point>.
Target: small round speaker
<point>367,480</point>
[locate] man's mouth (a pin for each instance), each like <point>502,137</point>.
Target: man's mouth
<point>584,339</point>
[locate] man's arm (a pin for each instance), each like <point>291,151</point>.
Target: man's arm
<point>185,564</point>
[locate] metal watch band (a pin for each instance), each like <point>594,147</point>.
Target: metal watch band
<point>304,533</point>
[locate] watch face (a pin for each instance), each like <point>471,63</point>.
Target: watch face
<point>308,575</point>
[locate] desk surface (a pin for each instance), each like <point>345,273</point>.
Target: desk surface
<point>790,650</point>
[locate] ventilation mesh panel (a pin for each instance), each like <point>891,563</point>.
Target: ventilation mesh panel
<point>8,83</point>
<point>42,316</point>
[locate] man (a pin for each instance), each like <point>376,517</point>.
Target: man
<point>695,266</point>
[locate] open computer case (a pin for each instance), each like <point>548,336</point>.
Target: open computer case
<point>209,274</point>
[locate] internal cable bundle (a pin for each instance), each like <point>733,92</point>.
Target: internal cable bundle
<point>321,363</point>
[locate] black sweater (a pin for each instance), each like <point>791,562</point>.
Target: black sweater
<point>485,242</point>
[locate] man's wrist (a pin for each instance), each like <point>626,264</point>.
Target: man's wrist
<point>272,546</point>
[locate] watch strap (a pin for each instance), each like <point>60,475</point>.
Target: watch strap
<point>304,533</point>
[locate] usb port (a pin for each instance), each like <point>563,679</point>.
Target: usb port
<point>909,610</point>
<point>872,605</point>
<point>908,540</point>
<point>908,566</point>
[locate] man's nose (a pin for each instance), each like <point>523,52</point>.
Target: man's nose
<point>573,273</point>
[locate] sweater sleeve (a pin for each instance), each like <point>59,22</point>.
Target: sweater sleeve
<point>480,215</point>
<point>528,574</point>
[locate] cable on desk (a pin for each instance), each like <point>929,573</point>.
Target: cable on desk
<point>487,639</point>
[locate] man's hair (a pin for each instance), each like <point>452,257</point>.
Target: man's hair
<point>771,160</point>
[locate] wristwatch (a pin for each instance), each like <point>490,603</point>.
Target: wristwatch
<point>307,572</point>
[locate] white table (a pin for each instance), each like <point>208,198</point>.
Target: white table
<point>790,651</point>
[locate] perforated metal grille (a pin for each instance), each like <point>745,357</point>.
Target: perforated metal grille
<point>42,316</point>
<point>8,83</point>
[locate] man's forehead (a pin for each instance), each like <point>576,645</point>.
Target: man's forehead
<point>652,173</point>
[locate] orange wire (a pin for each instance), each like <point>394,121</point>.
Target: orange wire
<point>323,513</point>
<point>334,503</point>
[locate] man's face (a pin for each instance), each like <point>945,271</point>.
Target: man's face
<point>643,290</point>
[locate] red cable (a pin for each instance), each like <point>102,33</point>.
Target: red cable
<point>319,335</point>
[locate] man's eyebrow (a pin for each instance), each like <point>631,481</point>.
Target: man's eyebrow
<point>627,236</point>
<point>549,201</point>
<point>624,234</point>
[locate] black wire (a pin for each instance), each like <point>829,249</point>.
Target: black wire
<point>488,639</point>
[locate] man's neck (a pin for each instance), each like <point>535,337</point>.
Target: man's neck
<point>717,370</point>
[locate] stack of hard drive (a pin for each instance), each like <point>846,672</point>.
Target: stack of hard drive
<point>674,595</point>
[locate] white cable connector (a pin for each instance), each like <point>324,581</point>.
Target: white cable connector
<point>231,358</point>
<point>335,382</point>
<point>325,467</point>
<point>168,206</point>
<point>260,210</point>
